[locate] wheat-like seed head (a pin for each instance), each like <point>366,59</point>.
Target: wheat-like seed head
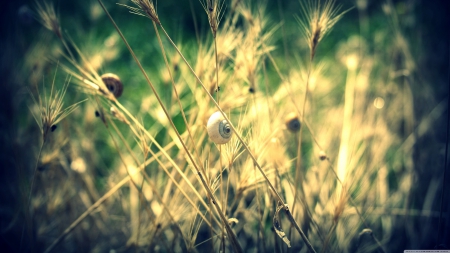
<point>146,8</point>
<point>48,17</point>
<point>51,108</point>
<point>215,13</point>
<point>194,228</point>
<point>142,141</point>
<point>255,44</point>
<point>319,21</point>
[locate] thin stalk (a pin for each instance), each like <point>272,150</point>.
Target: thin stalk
<point>141,202</point>
<point>283,31</point>
<point>327,240</point>
<point>176,94</point>
<point>217,71</point>
<point>260,215</point>
<point>63,41</point>
<point>269,98</point>
<point>27,210</point>
<point>298,174</point>
<point>222,199</point>
<point>220,147</point>
<point>210,229</point>
<point>195,22</point>
<point>305,98</point>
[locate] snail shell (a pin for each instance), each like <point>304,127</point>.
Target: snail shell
<point>292,122</point>
<point>219,130</point>
<point>113,84</point>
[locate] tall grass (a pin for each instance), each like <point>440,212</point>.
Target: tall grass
<point>324,145</point>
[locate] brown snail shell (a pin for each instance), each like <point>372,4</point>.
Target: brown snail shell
<point>292,122</point>
<point>113,83</point>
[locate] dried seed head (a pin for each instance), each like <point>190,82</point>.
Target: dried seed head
<point>318,21</point>
<point>50,108</point>
<point>214,11</point>
<point>146,9</point>
<point>292,122</point>
<point>48,18</point>
<point>113,84</point>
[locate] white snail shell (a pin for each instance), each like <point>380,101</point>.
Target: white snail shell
<point>113,84</point>
<point>219,130</point>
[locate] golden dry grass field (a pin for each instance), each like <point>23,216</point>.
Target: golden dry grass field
<point>224,126</point>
